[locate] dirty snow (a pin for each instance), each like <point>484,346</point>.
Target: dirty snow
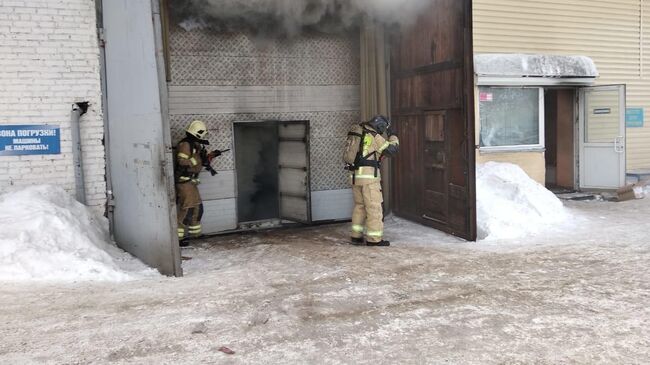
<point>305,296</point>
<point>46,235</point>
<point>520,65</point>
<point>509,204</point>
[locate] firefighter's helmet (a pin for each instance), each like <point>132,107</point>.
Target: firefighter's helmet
<point>380,123</point>
<point>198,129</point>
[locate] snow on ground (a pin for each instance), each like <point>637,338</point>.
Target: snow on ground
<point>575,292</point>
<point>509,204</point>
<point>305,296</point>
<point>46,235</point>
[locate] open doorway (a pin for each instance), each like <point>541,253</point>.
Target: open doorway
<point>559,129</point>
<point>256,161</point>
<point>272,165</point>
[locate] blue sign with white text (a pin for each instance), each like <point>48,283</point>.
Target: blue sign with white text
<point>30,140</point>
<point>634,117</point>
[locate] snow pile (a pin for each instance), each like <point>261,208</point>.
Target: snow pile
<point>47,235</point>
<point>640,192</point>
<point>512,205</point>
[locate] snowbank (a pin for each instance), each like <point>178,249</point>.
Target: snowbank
<point>46,235</point>
<point>512,205</point>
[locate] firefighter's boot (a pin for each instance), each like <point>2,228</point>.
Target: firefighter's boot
<point>382,243</point>
<point>357,241</point>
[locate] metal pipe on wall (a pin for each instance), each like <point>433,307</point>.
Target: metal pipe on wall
<point>78,109</point>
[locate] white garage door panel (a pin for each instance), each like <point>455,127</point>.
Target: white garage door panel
<point>219,186</point>
<point>332,205</point>
<point>219,215</point>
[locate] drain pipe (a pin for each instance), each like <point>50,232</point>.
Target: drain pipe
<point>78,109</point>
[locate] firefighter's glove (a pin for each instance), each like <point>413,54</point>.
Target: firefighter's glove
<point>391,150</point>
<point>210,156</point>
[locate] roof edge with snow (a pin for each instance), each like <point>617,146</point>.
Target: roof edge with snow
<point>495,65</point>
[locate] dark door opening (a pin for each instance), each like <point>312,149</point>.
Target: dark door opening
<point>256,163</point>
<point>559,127</point>
<point>273,170</point>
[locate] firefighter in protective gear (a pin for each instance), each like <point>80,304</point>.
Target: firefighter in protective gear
<point>189,163</point>
<point>367,216</point>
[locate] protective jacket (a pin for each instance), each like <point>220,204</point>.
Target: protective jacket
<point>367,216</point>
<point>188,161</point>
<point>374,146</point>
<point>188,200</point>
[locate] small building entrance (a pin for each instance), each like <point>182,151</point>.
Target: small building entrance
<point>559,126</point>
<point>543,113</point>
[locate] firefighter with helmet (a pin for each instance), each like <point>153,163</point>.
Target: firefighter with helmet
<point>190,159</point>
<point>367,216</point>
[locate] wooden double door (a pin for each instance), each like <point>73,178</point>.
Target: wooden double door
<point>433,112</point>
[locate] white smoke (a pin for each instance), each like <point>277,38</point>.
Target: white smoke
<point>290,17</point>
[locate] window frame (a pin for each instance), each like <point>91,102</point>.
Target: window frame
<point>539,147</point>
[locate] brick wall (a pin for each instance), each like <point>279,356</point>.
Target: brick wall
<point>49,59</point>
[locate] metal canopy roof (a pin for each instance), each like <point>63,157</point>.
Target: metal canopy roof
<point>493,68</point>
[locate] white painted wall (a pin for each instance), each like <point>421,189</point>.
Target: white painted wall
<point>49,59</point>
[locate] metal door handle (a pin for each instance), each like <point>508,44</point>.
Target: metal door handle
<point>619,147</point>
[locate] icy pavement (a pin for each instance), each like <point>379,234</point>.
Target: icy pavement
<point>576,294</point>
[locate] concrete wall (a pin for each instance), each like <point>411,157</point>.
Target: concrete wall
<point>614,33</point>
<point>49,58</point>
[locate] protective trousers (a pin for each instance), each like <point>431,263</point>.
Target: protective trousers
<point>189,210</point>
<point>367,215</point>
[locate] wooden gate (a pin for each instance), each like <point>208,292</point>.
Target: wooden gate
<point>433,112</point>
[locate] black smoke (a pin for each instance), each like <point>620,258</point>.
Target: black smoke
<point>290,17</point>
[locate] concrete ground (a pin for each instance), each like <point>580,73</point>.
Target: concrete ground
<point>578,294</point>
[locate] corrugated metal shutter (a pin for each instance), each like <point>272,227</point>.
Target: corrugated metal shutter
<point>616,34</point>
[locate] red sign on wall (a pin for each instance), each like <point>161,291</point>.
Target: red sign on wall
<point>485,96</point>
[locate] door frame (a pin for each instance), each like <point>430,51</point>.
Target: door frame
<point>580,153</point>
<point>278,221</point>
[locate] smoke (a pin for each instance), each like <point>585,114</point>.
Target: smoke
<point>291,17</point>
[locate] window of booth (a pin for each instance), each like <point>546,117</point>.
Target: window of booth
<point>512,118</point>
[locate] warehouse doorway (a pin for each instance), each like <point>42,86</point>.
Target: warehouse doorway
<point>256,164</point>
<point>272,172</point>
<point>317,78</point>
